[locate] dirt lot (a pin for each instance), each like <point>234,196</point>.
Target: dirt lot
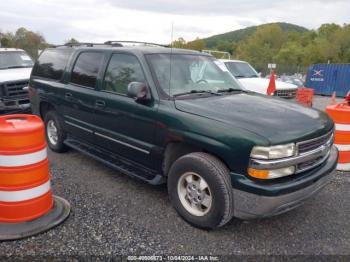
<point>113,214</point>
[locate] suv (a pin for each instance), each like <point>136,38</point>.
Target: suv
<point>179,117</point>
<point>251,80</point>
<point>15,68</point>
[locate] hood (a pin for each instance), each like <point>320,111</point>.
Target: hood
<point>259,85</point>
<point>277,120</point>
<point>14,74</point>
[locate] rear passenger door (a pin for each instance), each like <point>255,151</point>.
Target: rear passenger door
<point>122,125</point>
<point>80,94</point>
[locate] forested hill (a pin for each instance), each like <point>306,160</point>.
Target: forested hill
<point>293,48</point>
<point>242,34</point>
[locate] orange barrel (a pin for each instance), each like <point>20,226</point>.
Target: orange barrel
<point>340,113</point>
<point>25,191</point>
<point>305,96</point>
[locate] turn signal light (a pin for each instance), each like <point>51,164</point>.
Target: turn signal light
<point>257,173</point>
<point>271,174</point>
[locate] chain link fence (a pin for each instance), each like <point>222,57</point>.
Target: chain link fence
<point>288,70</point>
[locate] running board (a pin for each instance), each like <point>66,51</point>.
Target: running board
<point>118,163</point>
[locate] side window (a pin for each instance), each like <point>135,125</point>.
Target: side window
<point>122,70</point>
<point>52,63</point>
<point>86,69</point>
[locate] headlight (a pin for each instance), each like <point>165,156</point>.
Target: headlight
<point>273,152</point>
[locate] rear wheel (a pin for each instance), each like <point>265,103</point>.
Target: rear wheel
<point>200,190</point>
<point>55,135</point>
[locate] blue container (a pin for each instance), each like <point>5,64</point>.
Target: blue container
<point>327,78</point>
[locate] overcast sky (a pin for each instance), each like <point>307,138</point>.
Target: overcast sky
<point>151,20</point>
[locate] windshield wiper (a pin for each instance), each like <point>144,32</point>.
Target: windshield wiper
<point>240,76</point>
<point>197,92</point>
<point>10,67</point>
<point>230,90</point>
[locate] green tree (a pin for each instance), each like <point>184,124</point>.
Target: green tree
<point>197,44</point>
<point>6,39</point>
<point>179,43</point>
<point>341,43</point>
<point>29,41</point>
<point>71,41</point>
<point>262,46</point>
<point>328,30</point>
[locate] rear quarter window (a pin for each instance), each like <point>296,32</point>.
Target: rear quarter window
<point>51,63</point>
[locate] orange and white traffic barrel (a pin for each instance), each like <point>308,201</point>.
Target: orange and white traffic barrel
<point>340,113</point>
<point>27,206</point>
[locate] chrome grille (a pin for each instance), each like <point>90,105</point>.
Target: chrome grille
<point>15,89</point>
<point>322,144</point>
<point>313,143</point>
<point>291,93</point>
<point>310,163</point>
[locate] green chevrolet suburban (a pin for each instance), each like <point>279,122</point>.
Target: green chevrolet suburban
<point>179,117</point>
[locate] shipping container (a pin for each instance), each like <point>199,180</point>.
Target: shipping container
<point>327,78</point>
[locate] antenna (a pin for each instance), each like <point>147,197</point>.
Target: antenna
<point>171,55</point>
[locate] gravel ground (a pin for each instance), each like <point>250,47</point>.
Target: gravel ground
<point>113,214</point>
<point>320,102</point>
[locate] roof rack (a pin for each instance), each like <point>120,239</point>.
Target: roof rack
<point>110,43</point>
<point>218,54</point>
<point>80,44</point>
<point>133,42</point>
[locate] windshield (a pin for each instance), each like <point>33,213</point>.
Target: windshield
<point>191,74</point>
<point>241,69</point>
<point>15,59</point>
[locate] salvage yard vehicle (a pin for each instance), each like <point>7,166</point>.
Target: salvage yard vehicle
<point>179,117</point>
<point>251,80</point>
<point>15,68</point>
<point>292,80</point>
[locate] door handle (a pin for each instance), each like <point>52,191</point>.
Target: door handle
<point>68,96</point>
<point>100,104</point>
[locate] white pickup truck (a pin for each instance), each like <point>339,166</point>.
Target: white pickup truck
<point>252,81</point>
<point>15,68</point>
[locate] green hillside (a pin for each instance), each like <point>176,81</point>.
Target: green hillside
<point>293,48</point>
<point>241,34</point>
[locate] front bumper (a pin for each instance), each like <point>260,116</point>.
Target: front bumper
<point>22,104</point>
<point>286,93</point>
<point>270,200</point>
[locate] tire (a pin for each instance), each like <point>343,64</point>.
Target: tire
<point>216,176</point>
<point>52,117</point>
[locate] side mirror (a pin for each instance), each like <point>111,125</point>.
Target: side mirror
<point>139,92</point>
<point>259,74</point>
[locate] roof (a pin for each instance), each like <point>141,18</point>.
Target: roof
<point>5,49</point>
<point>141,49</point>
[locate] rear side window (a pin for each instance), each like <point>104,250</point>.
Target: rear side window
<point>122,70</point>
<point>51,63</point>
<point>86,69</point>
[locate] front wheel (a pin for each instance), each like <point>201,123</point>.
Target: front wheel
<point>200,190</point>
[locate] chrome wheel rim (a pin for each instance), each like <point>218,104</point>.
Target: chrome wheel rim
<point>52,132</point>
<point>194,194</point>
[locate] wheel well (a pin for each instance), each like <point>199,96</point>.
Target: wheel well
<point>44,108</point>
<point>174,151</point>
